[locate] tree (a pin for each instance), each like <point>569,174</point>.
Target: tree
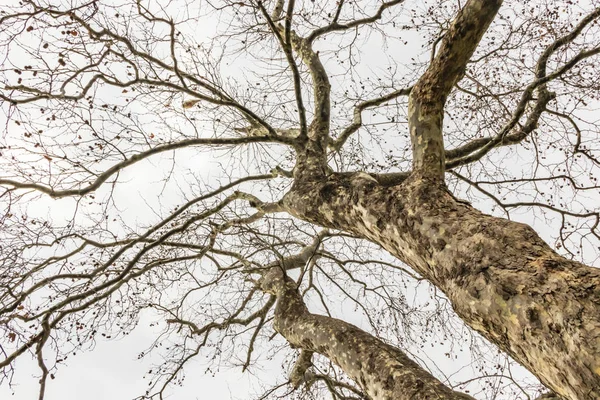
<point>497,109</point>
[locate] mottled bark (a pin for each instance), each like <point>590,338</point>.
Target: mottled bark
<point>548,396</point>
<point>300,374</point>
<point>428,96</point>
<point>501,278</point>
<point>382,371</point>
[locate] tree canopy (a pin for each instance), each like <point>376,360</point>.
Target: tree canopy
<point>338,186</point>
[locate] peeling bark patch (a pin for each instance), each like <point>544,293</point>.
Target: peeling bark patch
<point>555,328</point>
<point>553,265</point>
<point>533,316</point>
<point>506,291</point>
<point>440,244</point>
<point>327,192</point>
<point>389,382</point>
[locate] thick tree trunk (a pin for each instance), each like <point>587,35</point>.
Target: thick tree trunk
<point>381,370</point>
<point>501,278</point>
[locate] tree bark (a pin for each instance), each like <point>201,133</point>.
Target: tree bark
<point>428,97</point>
<point>501,278</point>
<point>382,371</point>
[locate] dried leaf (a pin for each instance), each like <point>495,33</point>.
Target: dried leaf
<point>190,103</point>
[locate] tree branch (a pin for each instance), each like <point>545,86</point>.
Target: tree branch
<point>381,370</point>
<point>103,177</point>
<point>300,374</point>
<point>108,38</point>
<point>337,144</point>
<point>478,148</point>
<point>335,26</point>
<point>428,97</point>
<point>286,45</point>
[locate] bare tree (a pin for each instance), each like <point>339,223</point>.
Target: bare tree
<point>272,120</point>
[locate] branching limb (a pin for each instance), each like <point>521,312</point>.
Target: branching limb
<point>478,148</point>
<point>428,97</point>
<point>336,26</point>
<point>301,374</point>
<point>286,45</point>
<point>337,144</point>
<point>346,345</point>
<point>115,169</point>
<point>313,139</point>
<point>350,348</point>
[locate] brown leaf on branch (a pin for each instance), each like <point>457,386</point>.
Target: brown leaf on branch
<point>190,103</point>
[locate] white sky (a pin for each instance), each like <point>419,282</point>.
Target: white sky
<point>111,370</point>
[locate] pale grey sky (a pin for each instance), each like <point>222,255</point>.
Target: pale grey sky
<point>111,369</point>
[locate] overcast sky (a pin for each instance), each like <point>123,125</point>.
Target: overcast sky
<point>112,370</point>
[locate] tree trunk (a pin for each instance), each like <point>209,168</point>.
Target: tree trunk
<point>501,278</point>
<point>381,370</point>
